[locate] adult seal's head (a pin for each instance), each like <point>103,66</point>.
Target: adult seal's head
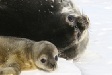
<point>57,21</point>
<point>45,55</point>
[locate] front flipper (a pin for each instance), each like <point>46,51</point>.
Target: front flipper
<point>8,71</point>
<point>11,67</point>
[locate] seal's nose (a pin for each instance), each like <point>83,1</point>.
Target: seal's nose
<point>53,65</point>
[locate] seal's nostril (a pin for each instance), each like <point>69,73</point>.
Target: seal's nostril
<point>53,65</point>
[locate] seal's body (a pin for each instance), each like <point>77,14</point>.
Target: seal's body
<point>18,54</point>
<point>57,21</point>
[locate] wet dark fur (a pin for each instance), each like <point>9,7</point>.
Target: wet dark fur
<point>38,20</point>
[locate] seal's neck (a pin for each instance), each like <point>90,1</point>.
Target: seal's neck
<point>29,57</point>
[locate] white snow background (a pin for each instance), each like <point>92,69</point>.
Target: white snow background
<point>97,59</point>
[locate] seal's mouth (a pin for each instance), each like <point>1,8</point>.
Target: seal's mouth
<point>50,67</point>
<point>47,67</point>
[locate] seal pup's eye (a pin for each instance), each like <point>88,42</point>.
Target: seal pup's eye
<point>71,18</point>
<point>43,60</point>
<point>56,58</point>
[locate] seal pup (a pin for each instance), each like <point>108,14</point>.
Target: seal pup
<point>57,21</point>
<point>18,54</point>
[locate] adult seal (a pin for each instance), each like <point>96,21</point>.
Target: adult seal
<point>57,21</point>
<point>18,54</point>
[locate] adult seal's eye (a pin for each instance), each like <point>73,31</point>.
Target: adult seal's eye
<point>43,60</point>
<point>56,58</point>
<point>71,18</point>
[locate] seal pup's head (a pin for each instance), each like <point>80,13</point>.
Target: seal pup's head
<point>45,55</point>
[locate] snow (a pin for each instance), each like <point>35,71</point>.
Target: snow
<point>97,59</point>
